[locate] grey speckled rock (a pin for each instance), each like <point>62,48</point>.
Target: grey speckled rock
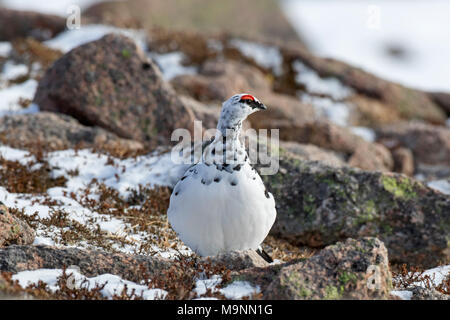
<point>419,293</point>
<point>354,269</point>
<point>239,260</point>
<point>318,205</point>
<point>91,262</point>
<point>110,83</point>
<point>56,132</point>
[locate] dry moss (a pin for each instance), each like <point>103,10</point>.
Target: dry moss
<point>31,178</point>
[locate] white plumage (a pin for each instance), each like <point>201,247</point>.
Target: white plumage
<point>221,204</point>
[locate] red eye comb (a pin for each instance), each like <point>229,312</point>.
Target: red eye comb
<point>248,97</point>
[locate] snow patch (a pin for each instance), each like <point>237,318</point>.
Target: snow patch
<point>403,294</point>
<point>5,49</point>
<point>11,154</point>
<point>239,289</point>
<point>235,290</point>
<point>336,112</point>
<point>13,71</point>
<point>267,56</point>
<point>203,285</point>
<point>151,170</point>
<point>367,134</point>
<point>440,185</point>
<point>171,64</point>
<point>114,285</point>
<point>314,84</point>
<point>437,275</point>
<point>70,39</point>
<point>10,98</point>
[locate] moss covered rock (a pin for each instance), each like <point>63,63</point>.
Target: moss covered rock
<point>354,269</point>
<point>319,205</point>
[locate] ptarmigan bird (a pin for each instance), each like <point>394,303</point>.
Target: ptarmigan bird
<point>221,204</point>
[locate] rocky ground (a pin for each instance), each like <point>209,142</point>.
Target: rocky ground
<point>362,192</point>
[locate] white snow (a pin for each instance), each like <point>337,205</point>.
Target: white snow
<point>314,84</point>
<point>11,154</point>
<point>267,56</point>
<point>440,185</point>
<point>148,170</point>
<point>70,39</point>
<point>437,275</point>
<point>5,49</point>
<point>57,7</point>
<point>367,134</point>
<point>235,290</point>
<point>13,71</point>
<point>336,112</point>
<point>360,32</point>
<point>403,294</point>
<point>46,241</point>
<point>202,285</point>
<point>10,97</point>
<point>239,289</point>
<point>171,64</point>
<point>114,285</point>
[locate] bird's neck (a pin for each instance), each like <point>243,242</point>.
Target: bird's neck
<point>229,126</point>
<point>225,149</point>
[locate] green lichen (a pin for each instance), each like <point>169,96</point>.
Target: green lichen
<point>309,206</point>
<point>387,229</point>
<point>126,54</point>
<point>304,292</point>
<point>332,293</point>
<point>400,188</point>
<point>346,277</point>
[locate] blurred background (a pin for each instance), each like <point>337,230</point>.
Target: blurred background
<point>400,40</point>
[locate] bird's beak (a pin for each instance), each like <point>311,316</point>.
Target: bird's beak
<point>260,106</point>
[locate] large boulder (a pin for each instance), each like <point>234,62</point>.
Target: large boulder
<point>57,132</point>
<point>110,83</point>
<point>354,269</point>
<point>13,230</point>
<point>21,24</point>
<point>429,144</point>
<point>318,205</point>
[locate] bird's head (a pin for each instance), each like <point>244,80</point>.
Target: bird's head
<point>237,109</point>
